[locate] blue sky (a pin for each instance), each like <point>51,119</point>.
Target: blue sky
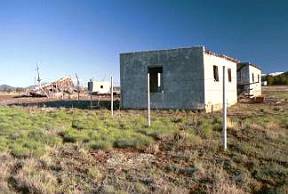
<point>86,36</point>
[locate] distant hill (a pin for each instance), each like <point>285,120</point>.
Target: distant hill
<point>8,88</point>
<point>276,73</point>
<point>273,73</point>
<point>5,87</point>
<point>277,78</point>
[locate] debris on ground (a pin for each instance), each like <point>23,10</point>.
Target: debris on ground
<point>55,89</point>
<point>259,99</point>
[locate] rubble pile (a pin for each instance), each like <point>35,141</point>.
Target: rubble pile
<point>56,89</point>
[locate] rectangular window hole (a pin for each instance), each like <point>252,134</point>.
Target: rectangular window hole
<point>156,78</point>
<point>215,73</point>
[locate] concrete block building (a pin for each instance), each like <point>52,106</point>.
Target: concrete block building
<point>249,79</point>
<point>182,78</point>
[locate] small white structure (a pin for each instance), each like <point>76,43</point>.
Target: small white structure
<point>248,79</point>
<point>264,83</point>
<point>99,87</point>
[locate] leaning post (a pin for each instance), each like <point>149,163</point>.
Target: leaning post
<point>148,100</point>
<point>111,90</point>
<point>224,111</point>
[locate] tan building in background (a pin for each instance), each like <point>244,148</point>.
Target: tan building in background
<point>248,79</point>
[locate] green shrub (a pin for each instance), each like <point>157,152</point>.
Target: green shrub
<point>19,151</point>
<point>138,141</point>
<point>205,128</point>
<point>124,143</point>
<point>101,145</point>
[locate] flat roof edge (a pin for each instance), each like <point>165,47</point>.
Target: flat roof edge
<point>158,50</point>
<point>205,50</point>
<point>251,64</point>
<point>209,52</point>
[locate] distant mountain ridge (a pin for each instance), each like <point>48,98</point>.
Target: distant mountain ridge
<point>276,73</point>
<point>8,88</point>
<point>277,78</point>
<point>273,73</point>
<point>5,87</point>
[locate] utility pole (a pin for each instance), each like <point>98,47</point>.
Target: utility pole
<point>39,81</point>
<point>90,90</point>
<point>224,111</point>
<point>112,96</point>
<point>78,87</point>
<point>148,99</point>
<point>38,76</point>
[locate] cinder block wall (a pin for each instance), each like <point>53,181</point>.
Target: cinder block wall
<point>183,74</point>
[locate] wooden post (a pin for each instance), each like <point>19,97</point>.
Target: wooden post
<point>224,111</point>
<point>112,96</point>
<point>148,99</point>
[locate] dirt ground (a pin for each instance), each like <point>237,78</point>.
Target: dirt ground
<point>85,99</point>
<point>188,159</point>
<point>274,88</point>
<point>98,101</point>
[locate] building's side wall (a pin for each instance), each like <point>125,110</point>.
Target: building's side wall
<point>182,79</point>
<point>255,87</point>
<point>214,89</point>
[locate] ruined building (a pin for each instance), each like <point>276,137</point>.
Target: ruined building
<point>183,78</point>
<point>54,89</point>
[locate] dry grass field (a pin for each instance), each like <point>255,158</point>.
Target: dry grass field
<point>70,150</point>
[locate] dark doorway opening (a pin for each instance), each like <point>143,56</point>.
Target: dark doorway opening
<point>156,79</point>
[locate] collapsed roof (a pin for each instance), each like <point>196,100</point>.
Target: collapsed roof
<point>61,86</point>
